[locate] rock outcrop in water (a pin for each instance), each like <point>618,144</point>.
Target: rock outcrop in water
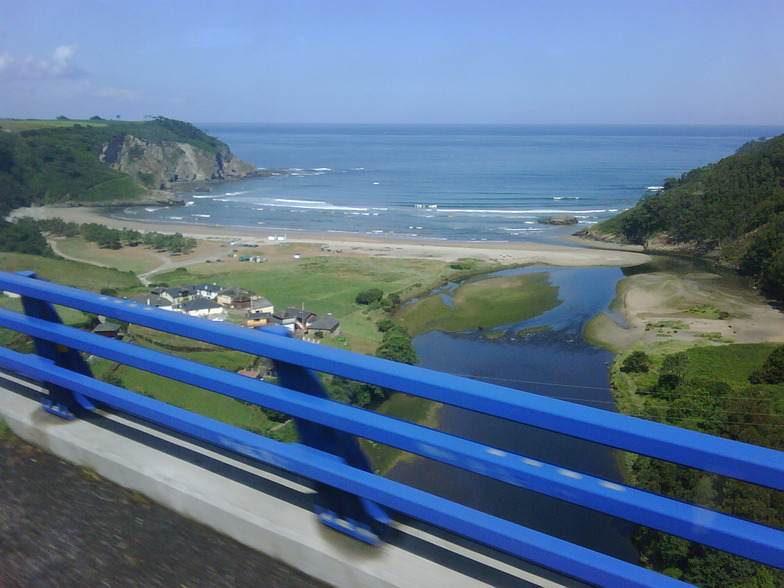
<point>563,219</point>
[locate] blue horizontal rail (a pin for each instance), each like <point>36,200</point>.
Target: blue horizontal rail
<point>724,532</point>
<point>689,521</point>
<point>729,458</point>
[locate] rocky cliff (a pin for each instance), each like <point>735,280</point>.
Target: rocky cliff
<point>159,164</point>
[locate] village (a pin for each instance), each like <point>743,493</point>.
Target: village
<point>234,304</point>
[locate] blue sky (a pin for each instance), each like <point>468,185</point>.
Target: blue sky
<point>396,61</point>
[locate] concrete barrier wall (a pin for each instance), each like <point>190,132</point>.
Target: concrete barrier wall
<point>279,524</point>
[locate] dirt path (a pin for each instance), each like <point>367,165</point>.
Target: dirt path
<point>53,244</point>
<point>167,263</point>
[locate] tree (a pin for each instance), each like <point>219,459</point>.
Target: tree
<point>772,371</point>
<point>397,346</point>
<point>636,361</point>
<point>23,236</point>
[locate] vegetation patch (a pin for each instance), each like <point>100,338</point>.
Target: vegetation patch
<point>675,325</point>
<point>407,408</point>
<point>715,337</point>
<point>498,334</point>
<point>708,311</point>
<point>487,304</point>
<point>733,391</point>
<point>530,330</point>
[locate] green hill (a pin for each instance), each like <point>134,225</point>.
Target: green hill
<point>732,210</point>
<point>102,161</point>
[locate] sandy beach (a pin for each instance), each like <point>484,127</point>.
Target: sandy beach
<point>502,252</point>
<point>643,300</point>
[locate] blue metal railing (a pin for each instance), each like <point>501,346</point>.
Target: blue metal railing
<point>351,498</point>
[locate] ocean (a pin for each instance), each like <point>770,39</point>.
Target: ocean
<point>445,182</point>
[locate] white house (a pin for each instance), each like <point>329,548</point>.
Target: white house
<point>209,291</point>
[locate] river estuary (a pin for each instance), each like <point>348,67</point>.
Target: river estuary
<point>555,361</point>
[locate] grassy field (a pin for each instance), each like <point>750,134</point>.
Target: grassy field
<point>130,259</point>
<point>323,284</point>
<point>198,400</point>
<point>731,364</point>
<point>69,316</point>
<point>185,396</point>
<point>484,304</point>
<point>28,125</point>
<point>69,273</point>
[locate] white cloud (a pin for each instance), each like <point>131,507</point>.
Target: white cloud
<point>58,78</point>
<point>60,65</point>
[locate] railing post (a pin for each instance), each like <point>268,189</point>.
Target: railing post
<point>348,513</point>
<point>59,401</point>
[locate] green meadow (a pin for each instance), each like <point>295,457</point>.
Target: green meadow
<point>321,284</point>
<point>484,304</point>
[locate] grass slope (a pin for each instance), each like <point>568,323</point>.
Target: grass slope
<point>69,273</point>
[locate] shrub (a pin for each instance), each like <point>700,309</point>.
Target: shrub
<point>385,325</point>
<point>369,296</point>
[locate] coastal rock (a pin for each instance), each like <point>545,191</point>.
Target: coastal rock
<point>563,219</point>
<point>157,165</point>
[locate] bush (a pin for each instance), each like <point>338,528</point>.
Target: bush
<point>369,296</point>
<point>385,325</point>
<point>463,265</point>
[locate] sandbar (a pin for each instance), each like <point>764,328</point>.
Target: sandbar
<point>522,253</point>
<point>658,308</point>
